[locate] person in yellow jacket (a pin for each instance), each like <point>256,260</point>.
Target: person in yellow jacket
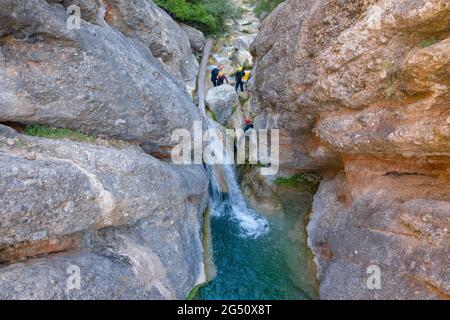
<point>245,78</point>
<point>241,78</point>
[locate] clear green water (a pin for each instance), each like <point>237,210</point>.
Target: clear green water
<point>275,265</point>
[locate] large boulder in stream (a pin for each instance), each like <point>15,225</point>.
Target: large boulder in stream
<point>95,79</point>
<point>130,222</point>
<point>222,100</point>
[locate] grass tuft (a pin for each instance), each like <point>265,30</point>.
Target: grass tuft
<point>428,42</point>
<point>310,181</point>
<point>38,130</point>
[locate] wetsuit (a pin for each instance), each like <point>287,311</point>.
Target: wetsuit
<point>220,80</point>
<point>239,82</point>
<point>214,74</point>
<point>248,127</point>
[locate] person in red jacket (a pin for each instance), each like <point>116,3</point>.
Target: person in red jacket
<point>214,74</point>
<point>221,78</point>
<point>248,125</point>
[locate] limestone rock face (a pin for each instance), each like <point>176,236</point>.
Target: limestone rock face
<point>137,220</point>
<point>94,79</point>
<point>152,26</point>
<point>391,221</point>
<point>196,37</point>
<point>360,90</point>
<point>222,100</point>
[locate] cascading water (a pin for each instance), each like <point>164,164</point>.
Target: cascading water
<point>256,256</point>
<point>234,205</point>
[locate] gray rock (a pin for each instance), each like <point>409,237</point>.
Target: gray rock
<point>94,79</point>
<point>222,100</point>
<point>140,220</point>
<point>85,186</point>
<point>243,42</point>
<point>196,37</point>
<point>152,26</point>
<point>243,58</point>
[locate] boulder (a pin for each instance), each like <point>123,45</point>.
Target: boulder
<point>196,37</point>
<point>94,79</point>
<point>145,21</point>
<point>243,42</point>
<point>221,101</point>
<point>243,58</point>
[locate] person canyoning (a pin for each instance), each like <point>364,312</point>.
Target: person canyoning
<point>248,125</point>
<point>245,78</point>
<point>221,78</point>
<point>239,76</point>
<point>215,73</point>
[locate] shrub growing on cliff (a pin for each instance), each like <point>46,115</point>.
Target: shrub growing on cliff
<point>207,15</point>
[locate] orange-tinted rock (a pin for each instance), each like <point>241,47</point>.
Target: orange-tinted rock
<point>368,81</point>
<point>24,250</point>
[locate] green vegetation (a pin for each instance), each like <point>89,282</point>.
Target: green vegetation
<point>305,180</point>
<point>212,114</point>
<point>194,292</point>
<point>207,15</point>
<point>265,6</point>
<point>38,130</point>
<point>428,42</point>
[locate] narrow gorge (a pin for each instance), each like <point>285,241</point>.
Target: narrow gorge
<point>358,91</point>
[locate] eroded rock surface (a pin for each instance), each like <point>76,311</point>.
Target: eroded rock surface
<point>365,97</point>
<point>152,26</point>
<point>128,210</point>
<point>129,224</point>
<point>95,79</point>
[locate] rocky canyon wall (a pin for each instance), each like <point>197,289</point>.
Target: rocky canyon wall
<point>110,207</point>
<point>360,91</point>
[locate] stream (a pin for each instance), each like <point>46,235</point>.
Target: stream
<point>256,256</point>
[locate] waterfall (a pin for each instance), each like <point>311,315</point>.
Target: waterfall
<point>233,205</point>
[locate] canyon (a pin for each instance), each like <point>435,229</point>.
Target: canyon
<point>358,89</point>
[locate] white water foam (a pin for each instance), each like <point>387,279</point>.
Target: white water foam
<point>251,223</point>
